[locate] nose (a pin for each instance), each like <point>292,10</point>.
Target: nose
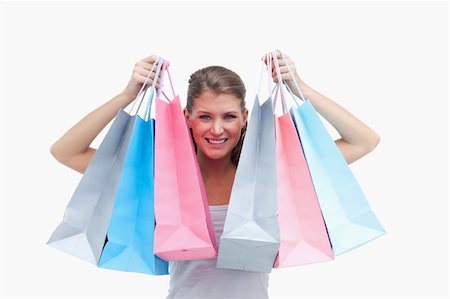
<point>217,128</point>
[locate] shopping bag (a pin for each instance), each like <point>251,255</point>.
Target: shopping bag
<point>82,232</point>
<point>303,235</point>
<point>183,229</point>
<point>131,228</point>
<point>349,218</point>
<point>250,238</point>
<point>79,234</point>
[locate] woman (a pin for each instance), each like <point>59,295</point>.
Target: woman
<point>216,114</point>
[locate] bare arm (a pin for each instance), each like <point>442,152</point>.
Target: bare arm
<point>73,148</point>
<point>357,138</point>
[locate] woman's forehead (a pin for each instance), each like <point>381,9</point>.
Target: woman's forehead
<point>208,101</point>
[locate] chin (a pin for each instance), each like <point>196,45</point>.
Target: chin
<point>215,156</point>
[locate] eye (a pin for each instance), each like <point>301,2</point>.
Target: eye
<point>204,117</point>
<point>230,116</point>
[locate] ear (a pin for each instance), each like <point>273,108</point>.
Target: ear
<point>245,117</point>
<point>186,116</point>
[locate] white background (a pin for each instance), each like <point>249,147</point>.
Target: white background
<point>386,62</point>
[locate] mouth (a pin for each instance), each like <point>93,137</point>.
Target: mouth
<point>216,140</point>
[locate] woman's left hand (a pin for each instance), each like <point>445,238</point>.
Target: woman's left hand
<point>357,139</point>
<point>284,70</point>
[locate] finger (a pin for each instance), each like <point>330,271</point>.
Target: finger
<point>166,63</point>
<point>275,73</point>
<point>144,69</point>
<point>268,56</point>
<point>145,65</point>
<point>282,59</point>
<point>148,62</point>
<point>277,62</point>
<point>282,62</point>
<point>281,54</point>
<point>275,67</point>
<point>285,69</point>
<point>145,72</point>
<point>275,76</point>
<point>141,79</point>
<point>286,77</point>
<point>150,59</point>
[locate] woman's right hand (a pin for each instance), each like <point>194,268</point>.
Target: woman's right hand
<point>140,72</point>
<point>73,148</point>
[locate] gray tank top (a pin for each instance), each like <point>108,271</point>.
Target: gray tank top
<point>201,279</point>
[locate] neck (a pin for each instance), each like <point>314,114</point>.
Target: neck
<point>215,169</point>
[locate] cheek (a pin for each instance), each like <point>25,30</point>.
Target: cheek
<point>198,129</point>
<point>235,130</point>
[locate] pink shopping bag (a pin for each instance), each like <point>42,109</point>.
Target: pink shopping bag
<point>183,228</point>
<point>303,234</point>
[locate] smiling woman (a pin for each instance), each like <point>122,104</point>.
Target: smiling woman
<point>216,115</point>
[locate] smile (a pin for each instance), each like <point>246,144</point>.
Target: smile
<point>216,141</point>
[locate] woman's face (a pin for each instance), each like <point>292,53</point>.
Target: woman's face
<point>216,123</point>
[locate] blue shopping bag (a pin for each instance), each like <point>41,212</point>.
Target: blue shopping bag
<point>82,232</point>
<point>348,216</point>
<point>129,246</point>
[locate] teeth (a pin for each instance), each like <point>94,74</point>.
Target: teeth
<point>216,141</point>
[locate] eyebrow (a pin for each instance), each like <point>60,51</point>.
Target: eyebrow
<point>229,112</point>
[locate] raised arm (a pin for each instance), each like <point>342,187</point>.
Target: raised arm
<point>73,148</point>
<point>357,139</point>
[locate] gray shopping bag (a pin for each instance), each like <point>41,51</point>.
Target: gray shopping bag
<point>251,237</point>
<point>82,232</point>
